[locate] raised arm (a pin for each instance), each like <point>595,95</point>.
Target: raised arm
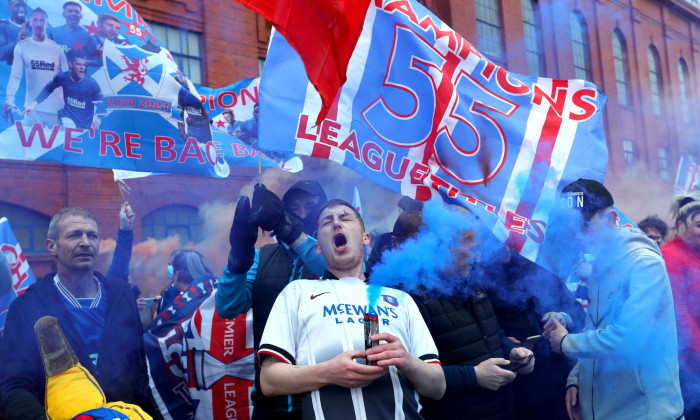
<point>235,288</point>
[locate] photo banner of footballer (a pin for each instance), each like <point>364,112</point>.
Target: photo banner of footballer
<point>423,112</point>
<point>97,88</point>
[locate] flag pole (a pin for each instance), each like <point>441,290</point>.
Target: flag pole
<point>259,167</point>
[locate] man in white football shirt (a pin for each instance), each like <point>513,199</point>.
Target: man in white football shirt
<point>315,336</point>
<point>41,58</point>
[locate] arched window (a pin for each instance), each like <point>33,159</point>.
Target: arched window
<point>657,91</point>
<point>579,45</point>
<point>533,37</point>
<point>488,27</point>
<point>175,219</point>
<point>28,226</point>
<point>621,67</point>
<point>685,90</point>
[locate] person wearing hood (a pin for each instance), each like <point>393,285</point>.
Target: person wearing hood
<point>682,256</point>
<point>254,278</point>
<point>627,353</point>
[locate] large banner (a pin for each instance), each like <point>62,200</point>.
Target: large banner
<point>89,83</point>
<point>201,366</point>
<point>20,274</point>
<point>423,111</point>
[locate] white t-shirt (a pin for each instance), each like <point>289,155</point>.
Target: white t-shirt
<point>312,321</point>
<point>42,61</point>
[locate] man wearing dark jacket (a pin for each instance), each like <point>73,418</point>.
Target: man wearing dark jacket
<point>254,278</point>
<point>98,316</point>
<point>474,351</point>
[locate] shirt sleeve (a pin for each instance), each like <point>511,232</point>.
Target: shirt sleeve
<point>235,292</point>
<point>313,261</point>
<point>46,91</point>
<point>15,75</point>
<point>279,337</point>
<point>7,43</point>
<point>119,269</point>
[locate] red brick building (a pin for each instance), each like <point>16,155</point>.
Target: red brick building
<point>643,54</point>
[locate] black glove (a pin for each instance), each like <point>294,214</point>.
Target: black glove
<point>244,233</point>
<point>269,213</point>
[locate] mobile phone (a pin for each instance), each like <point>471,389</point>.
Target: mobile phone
<point>513,366</point>
<point>531,340</point>
<point>150,302</point>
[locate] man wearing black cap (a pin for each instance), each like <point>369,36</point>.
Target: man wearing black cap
<point>627,353</point>
<point>254,278</point>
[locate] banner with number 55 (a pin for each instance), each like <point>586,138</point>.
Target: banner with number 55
<point>423,112</point>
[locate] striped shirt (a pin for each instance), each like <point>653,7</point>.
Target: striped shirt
<point>312,321</point>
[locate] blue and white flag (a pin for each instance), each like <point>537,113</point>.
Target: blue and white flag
<point>422,111</point>
<point>103,92</point>
<point>20,273</point>
<point>687,177</point>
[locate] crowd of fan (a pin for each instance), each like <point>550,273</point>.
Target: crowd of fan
<point>613,338</point>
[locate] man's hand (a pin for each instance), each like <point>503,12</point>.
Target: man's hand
<point>8,112</point>
<point>141,303</point>
<point>428,379</point>
<point>126,217</point>
<point>391,353</point>
<point>490,376</point>
<point>554,315</point>
<point>30,108</point>
<point>572,406</point>
<point>346,372</point>
<point>269,213</point>
<point>555,333</point>
<point>519,355</point>
<point>23,32</point>
<point>96,124</point>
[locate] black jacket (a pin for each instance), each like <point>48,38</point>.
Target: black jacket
<point>121,366</point>
<point>466,333</point>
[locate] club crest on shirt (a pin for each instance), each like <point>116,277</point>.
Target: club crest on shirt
<point>390,300</point>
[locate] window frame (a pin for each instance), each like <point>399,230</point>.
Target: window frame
<point>580,48</point>
<point>183,57</point>
<point>621,67</point>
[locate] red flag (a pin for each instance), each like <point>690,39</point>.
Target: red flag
<point>323,33</point>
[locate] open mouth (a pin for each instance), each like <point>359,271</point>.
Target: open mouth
<point>340,241</point>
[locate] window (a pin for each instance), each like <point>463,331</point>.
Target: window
<point>579,44</point>
<point>185,47</point>
<point>621,67</point>
<point>28,226</point>
<point>655,80</point>
<point>488,27</point>
<point>663,162</point>
<point>533,38</point>
<point>630,153</point>
<point>175,219</point>
<point>685,90</point>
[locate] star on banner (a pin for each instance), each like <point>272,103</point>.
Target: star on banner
<point>220,123</point>
<point>92,28</point>
<point>77,45</point>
